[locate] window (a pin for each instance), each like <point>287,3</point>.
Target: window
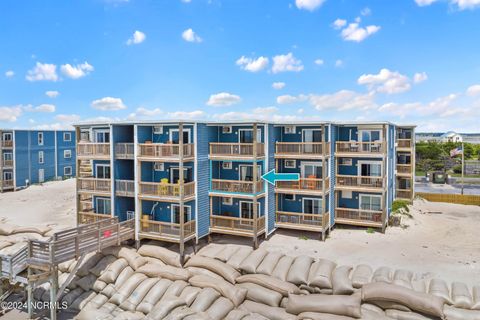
<point>40,138</point>
<point>158,130</point>
<point>175,213</point>
<point>8,156</point>
<point>227,201</point>
<point>246,210</point>
<point>290,164</point>
<point>370,202</point>
<point>175,136</point>
<point>404,158</point>
<point>159,166</point>
<point>370,135</point>
<point>311,170</point>
<point>346,161</point>
<point>289,197</point>
<point>7,176</point>
<point>41,157</point>
<point>103,206</point>
<point>289,129</point>
<point>67,154</point>
<point>7,136</point>
<point>246,172</point>
<point>67,136</point>
<point>312,206</point>
<point>102,136</point>
<point>227,165</point>
<point>246,135</point>
<point>370,169</point>
<point>67,171</point>
<point>175,175</point>
<point>227,129</point>
<point>347,194</point>
<point>102,171</point>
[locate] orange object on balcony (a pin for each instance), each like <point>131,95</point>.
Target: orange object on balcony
<point>311,182</point>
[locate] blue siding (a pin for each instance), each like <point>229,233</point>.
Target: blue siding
<point>233,210</point>
<point>62,145</point>
<point>145,133</point>
<point>203,202</point>
<point>271,189</point>
<point>162,211</point>
<point>333,130</point>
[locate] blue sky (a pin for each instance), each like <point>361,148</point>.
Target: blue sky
<point>408,61</point>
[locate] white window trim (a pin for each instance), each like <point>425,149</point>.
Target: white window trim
<point>360,195</point>
<point>293,199</point>
<point>41,157</point>
<point>178,168</point>
<point>184,130</point>
<point>69,152</point>
<point>96,131</point>
<point>69,135</point>
<point>5,156</point>
<point>229,203</point>
<point>307,129</point>
<point>291,167</point>
<point>5,173</point>
<point>259,134</point>
<point>5,134</point>
<point>259,205</point>
<point>249,165</point>
<point>294,129</point>
<point>172,212</point>
<point>67,167</point>
<point>359,166</point>
<point>102,165</point>
<point>40,140</point>
<point>230,130</point>
<point>227,165</point>
<point>103,199</point>
<point>360,135</point>
<point>308,163</point>
<point>313,199</point>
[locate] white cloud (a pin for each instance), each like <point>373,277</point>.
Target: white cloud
<point>186,1</point>
<point>467,4</point>
<point>76,71</point>
<point>42,72</point>
<point>69,118</point>
<point>366,11</point>
<point>190,36</point>
<point>473,90</point>
<point>286,62</point>
<point>339,23</point>
<point>252,65</point>
<point>52,94</point>
<point>423,3</point>
<point>261,113</point>
<point>338,63</point>
<point>108,104</point>
<point>354,32</point>
<point>223,99</point>
<point>137,38</point>
<point>309,5</point>
<point>385,81</point>
<point>319,62</point>
<point>54,126</point>
<point>44,108</point>
<point>420,77</point>
<point>278,85</point>
<point>441,107</point>
<point>186,115</point>
<point>9,73</point>
<point>287,99</point>
<point>11,114</point>
<point>343,100</point>
<point>142,112</point>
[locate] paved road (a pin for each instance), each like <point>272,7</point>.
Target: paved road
<point>446,188</point>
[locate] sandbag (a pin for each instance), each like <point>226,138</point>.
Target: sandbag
<point>361,275</point>
<point>241,254</point>
<point>154,261</point>
<point>153,296</point>
<point>179,313</point>
<point>6,229</point>
<point>461,295</point>
<point>254,316</point>
<point>298,273</point>
<point>228,251</point>
<point>220,308</point>
<point>440,289</point>
<point>403,315</point>
<point>419,285</point>
<point>176,288</point>
<point>90,260</point>
<point>99,285</point>
<point>168,272</point>
<point>198,316</point>
<point>113,270</point>
<point>41,230</point>
<point>269,263</point>
<point>63,267</point>
<point>453,313</point>
<point>71,296</point>
<point>282,287</point>
<point>129,315</point>
<point>390,305</point>
<point>86,283</point>
<point>283,266</point>
<point>97,301</point>
<point>334,304</point>
<point>403,278</point>
<point>320,274</point>
<point>227,272</point>
<point>322,316</point>
<point>113,250</point>
<point>226,289</point>
<point>127,288</point>
<point>261,294</point>
<point>382,274</point>
<point>283,302</point>
<point>372,308</point>
<point>476,297</point>
<point>93,314</point>
<point>138,294</point>
<point>167,256</point>
<point>6,244</point>
<point>189,294</point>
<point>272,313</point>
<point>194,271</point>
<point>134,259</point>
<point>102,265</point>
<point>237,314</point>
<point>205,299</point>
<point>81,301</point>
<point>164,307</point>
<point>250,264</point>
<point>73,283</point>
<point>417,301</point>
<point>341,282</point>
<point>211,250</point>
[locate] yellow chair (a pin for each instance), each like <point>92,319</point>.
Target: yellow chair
<point>163,190</point>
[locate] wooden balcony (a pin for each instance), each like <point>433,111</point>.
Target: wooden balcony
<point>355,148</point>
<point>303,186</point>
<point>237,186</point>
<point>93,150</point>
<point>124,150</point>
<point>360,183</point>
<point>94,185</point>
<point>125,188</point>
<point>7,163</point>
<point>404,143</point>
<point>86,217</point>
<point>309,150</point>
<point>222,150</point>
<point>236,226</point>
<point>404,169</point>
<point>302,221</point>
<point>166,231</point>
<point>7,144</point>
<point>165,151</point>
<point>406,194</point>
<point>7,184</point>
<point>166,191</point>
<point>359,217</point>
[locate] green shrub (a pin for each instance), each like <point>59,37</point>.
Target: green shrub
<point>370,230</point>
<point>457,168</point>
<point>400,205</point>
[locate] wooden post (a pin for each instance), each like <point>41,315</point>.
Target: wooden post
<point>77,175</point>
<point>255,179</point>
<point>29,285</point>
<point>324,176</point>
<point>181,193</point>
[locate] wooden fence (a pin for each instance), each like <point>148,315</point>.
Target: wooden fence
<point>451,198</point>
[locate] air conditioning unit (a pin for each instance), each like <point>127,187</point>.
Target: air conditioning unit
<point>289,129</point>
<point>346,161</point>
<point>130,215</point>
<point>227,129</point>
<point>159,166</point>
<point>158,129</point>
<point>227,165</point>
<point>227,201</point>
<point>291,164</point>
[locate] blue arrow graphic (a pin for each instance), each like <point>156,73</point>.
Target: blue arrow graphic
<point>271,176</point>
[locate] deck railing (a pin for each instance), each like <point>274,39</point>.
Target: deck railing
<point>298,219</point>
<point>404,168</point>
<point>160,189</point>
<point>353,147</point>
<point>302,184</point>
<point>89,216</point>
<point>93,149</point>
<point>302,148</point>
<point>237,224</point>
<point>374,216</point>
<point>404,193</point>
<point>94,185</point>
<point>236,186</point>
<point>7,143</point>
<point>404,143</point>
<point>124,150</point>
<point>8,163</point>
<point>236,149</point>
<point>125,188</point>
<point>7,183</point>
<point>164,150</point>
<point>169,229</point>
<point>359,181</point>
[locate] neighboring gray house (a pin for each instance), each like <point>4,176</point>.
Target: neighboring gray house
<point>449,136</point>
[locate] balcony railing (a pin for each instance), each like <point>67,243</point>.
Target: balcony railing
<point>302,148</point>
<point>236,149</point>
<point>359,181</point>
<point>125,188</point>
<point>297,220</point>
<point>166,229</point>
<point>404,143</point>
<point>166,190</point>
<point>235,225</point>
<point>86,217</point>
<point>312,184</point>
<point>165,150</point>
<point>404,168</point>
<point>236,186</point>
<point>7,143</point>
<point>124,150</point>
<point>404,193</point>
<point>355,147</point>
<point>7,183</point>
<point>374,217</point>
<point>94,185</point>
<point>8,163</point>
<point>93,150</point>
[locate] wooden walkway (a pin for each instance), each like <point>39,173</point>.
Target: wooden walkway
<point>450,198</point>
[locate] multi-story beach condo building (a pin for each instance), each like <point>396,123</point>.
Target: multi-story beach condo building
<point>35,156</point>
<point>184,180</point>
<point>405,170</point>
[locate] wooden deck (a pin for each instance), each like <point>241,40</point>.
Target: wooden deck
<point>12,265</point>
<point>93,150</point>
<point>237,186</point>
<point>303,150</point>
<point>166,231</point>
<point>404,170</point>
<point>220,150</point>
<point>7,184</point>
<point>307,186</point>
<point>405,194</point>
<point>124,150</point>
<point>236,226</point>
<point>404,144</point>
<point>165,152</point>
<point>357,217</point>
<point>7,144</point>
<point>160,191</point>
<point>89,216</point>
<point>373,184</point>
<point>94,185</point>
<point>125,188</point>
<point>302,221</point>
<point>360,149</point>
